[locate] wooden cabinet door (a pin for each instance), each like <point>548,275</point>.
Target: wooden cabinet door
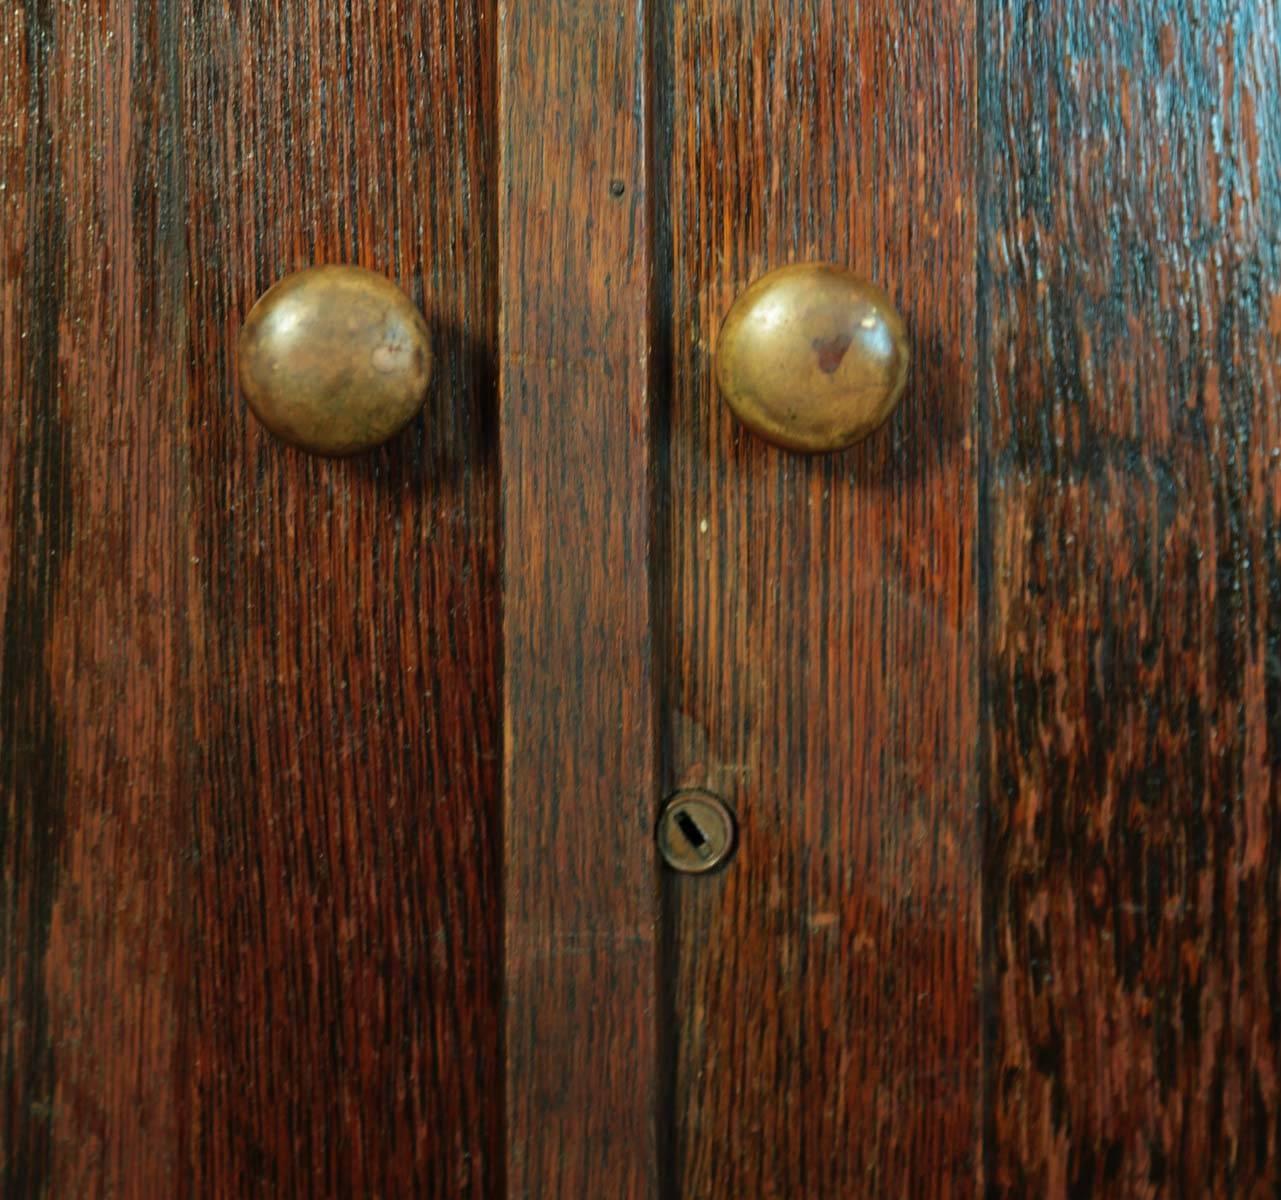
<point>250,698</point>
<point>328,788</point>
<point>823,654</point>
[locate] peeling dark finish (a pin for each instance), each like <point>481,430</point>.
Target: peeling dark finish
<point>1131,336</point>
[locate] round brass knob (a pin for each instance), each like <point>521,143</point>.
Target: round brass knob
<point>335,359</point>
<point>812,357</point>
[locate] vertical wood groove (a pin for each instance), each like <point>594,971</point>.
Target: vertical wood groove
<point>580,888</point>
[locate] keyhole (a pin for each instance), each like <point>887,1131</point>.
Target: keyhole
<point>695,831</point>
<point>695,836</point>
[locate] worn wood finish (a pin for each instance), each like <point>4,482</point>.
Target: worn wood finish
<point>580,787</point>
<point>91,681</point>
<point>250,700</point>
<point>251,930</point>
<point>1132,333</point>
<point>822,651</point>
<point>344,1026</point>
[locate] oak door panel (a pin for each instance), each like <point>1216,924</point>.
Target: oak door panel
<point>821,640</point>
<point>996,696</point>
<point>250,698</point>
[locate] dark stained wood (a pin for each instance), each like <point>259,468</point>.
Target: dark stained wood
<point>344,1028</point>
<point>580,786</point>
<point>249,780</point>
<point>92,707</point>
<point>33,533</point>
<point>996,695</point>
<point>1131,158</point>
<point>822,641</point>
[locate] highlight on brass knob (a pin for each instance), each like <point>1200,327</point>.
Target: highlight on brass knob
<point>335,359</point>
<point>812,357</point>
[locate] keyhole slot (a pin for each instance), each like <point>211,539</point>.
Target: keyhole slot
<point>695,831</point>
<point>694,835</point>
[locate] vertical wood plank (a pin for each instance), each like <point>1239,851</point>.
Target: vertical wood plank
<point>1132,306</point>
<point>823,653</point>
<point>34,498</point>
<point>580,887</point>
<point>344,622</point>
<point>91,691</point>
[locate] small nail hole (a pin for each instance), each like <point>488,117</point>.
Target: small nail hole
<point>617,187</point>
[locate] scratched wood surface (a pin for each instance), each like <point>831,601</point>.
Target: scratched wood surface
<point>249,700</point>
<point>1131,318</point>
<point>997,696</point>
<point>580,783</point>
<point>821,641</point>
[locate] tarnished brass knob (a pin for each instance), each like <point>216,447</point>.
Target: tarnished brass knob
<point>812,357</point>
<point>334,360</point>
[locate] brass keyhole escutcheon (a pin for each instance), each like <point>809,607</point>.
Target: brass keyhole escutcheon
<point>696,832</point>
<point>812,357</point>
<point>335,360</point>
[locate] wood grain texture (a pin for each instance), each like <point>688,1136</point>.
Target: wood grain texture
<point>250,700</point>
<point>1132,313</point>
<point>344,1026</point>
<point>580,785</point>
<point>91,690</point>
<point>251,831</point>
<point>822,643</point>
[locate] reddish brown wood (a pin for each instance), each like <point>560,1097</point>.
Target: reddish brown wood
<point>250,700</point>
<point>344,1032</point>
<point>822,647</point>
<point>580,787</point>
<point>31,499</point>
<point>250,829</point>
<point>91,681</point>
<point>1132,315</point>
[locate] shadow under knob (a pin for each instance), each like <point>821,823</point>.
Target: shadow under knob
<point>335,359</point>
<point>812,357</point>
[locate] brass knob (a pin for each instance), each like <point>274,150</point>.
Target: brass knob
<point>335,359</point>
<point>812,357</point>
